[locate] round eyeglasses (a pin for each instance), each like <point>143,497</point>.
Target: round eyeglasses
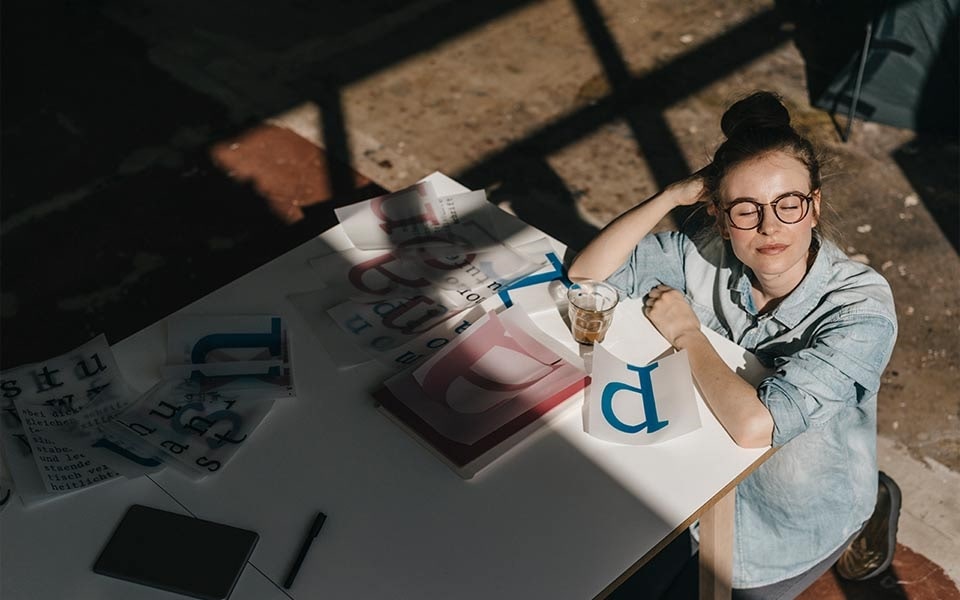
<point>790,208</point>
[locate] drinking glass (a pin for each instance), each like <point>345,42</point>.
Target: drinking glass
<point>590,308</point>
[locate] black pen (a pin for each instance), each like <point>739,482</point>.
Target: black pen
<point>311,535</point>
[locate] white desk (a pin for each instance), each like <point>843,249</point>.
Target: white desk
<point>563,515</point>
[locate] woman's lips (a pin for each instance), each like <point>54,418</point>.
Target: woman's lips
<point>772,249</point>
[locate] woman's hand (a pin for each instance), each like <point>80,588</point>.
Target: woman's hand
<point>669,312</point>
<point>688,191</point>
<point>614,244</point>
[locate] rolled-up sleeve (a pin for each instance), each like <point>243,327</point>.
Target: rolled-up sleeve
<point>658,258</point>
<point>841,366</point>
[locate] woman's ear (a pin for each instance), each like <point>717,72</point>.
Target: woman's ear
<point>717,214</point>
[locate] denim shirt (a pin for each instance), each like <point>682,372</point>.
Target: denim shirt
<point>827,344</point>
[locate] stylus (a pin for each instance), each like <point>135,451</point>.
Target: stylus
<point>311,535</point>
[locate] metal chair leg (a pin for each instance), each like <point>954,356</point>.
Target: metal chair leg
<point>859,81</point>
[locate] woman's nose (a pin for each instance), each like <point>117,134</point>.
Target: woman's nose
<point>768,220</point>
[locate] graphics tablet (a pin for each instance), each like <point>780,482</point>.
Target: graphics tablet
<point>176,553</point>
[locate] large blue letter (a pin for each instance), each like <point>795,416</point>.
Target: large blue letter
<point>556,273</point>
<point>652,423</point>
<point>271,341</point>
<point>140,460</point>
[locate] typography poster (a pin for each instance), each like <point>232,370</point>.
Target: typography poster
<point>80,390</point>
<point>638,405</point>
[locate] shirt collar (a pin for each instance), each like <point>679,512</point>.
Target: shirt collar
<point>739,281</point>
<point>800,302</point>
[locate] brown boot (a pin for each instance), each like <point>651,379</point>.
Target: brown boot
<point>871,552</point>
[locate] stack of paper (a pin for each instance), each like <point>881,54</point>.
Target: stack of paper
<point>485,391</point>
<point>420,266</point>
<point>222,377</point>
<point>72,421</point>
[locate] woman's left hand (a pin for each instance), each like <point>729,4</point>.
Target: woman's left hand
<point>669,312</point>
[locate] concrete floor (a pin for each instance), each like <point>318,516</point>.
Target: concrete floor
<point>153,151</point>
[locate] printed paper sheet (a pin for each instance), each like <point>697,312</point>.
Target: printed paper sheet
<point>640,404</point>
<point>76,392</point>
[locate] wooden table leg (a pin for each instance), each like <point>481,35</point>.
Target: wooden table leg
<point>716,549</point>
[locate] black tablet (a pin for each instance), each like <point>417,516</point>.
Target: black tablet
<point>177,553</point>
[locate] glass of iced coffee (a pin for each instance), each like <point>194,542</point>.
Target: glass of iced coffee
<point>590,308</point>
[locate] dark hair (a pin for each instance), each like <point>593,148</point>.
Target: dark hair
<point>754,126</point>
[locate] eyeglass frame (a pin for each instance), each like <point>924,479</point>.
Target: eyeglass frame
<point>772,203</point>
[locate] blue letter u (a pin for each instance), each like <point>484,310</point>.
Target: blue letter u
<point>271,341</point>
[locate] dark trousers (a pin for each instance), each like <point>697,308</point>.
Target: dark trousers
<point>674,574</point>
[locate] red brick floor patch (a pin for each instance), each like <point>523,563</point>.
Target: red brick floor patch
<point>912,576</point>
<point>288,171</point>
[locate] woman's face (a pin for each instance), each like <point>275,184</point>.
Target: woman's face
<point>775,251</point>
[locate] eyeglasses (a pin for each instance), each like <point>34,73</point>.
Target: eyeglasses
<point>790,208</point>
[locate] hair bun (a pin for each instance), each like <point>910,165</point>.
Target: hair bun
<point>760,110</point>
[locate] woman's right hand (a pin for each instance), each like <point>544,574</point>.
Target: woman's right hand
<point>614,244</point>
<point>688,191</point>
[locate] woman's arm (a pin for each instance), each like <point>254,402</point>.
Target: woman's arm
<point>733,401</point>
<point>613,245</point>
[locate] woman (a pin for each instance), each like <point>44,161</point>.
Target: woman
<point>768,280</point>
